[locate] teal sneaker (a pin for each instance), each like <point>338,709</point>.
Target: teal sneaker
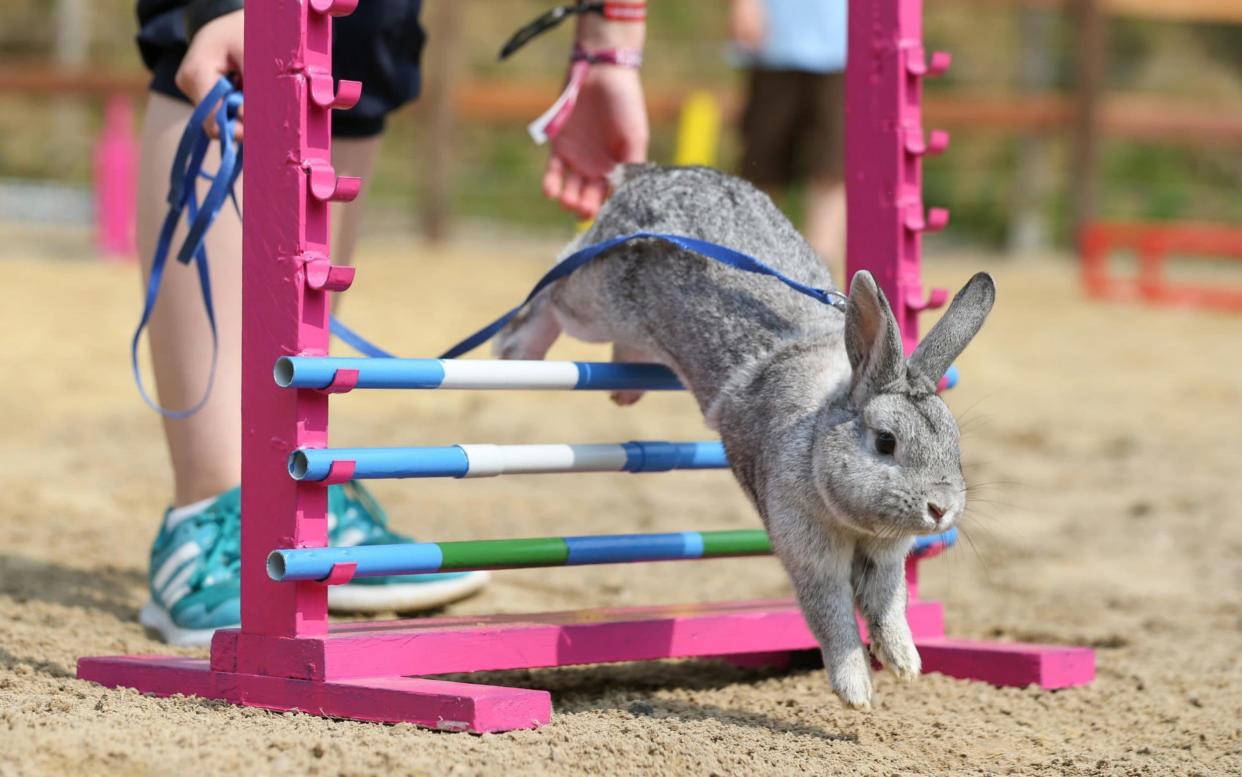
<point>195,567</point>
<point>194,572</point>
<point>356,518</point>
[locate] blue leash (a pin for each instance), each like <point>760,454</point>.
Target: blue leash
<point>183,197</point>
<point>226,99</point>
<point>358,342</point>
<point>580,257</point>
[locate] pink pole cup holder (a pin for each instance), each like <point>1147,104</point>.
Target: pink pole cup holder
<point>343,382</point>
<point>339,473</point>
<point>327,186</point>
<point>334,7</point>
<point>322,275</point>
<point>917,63</point>
<point>937,142</point>
<point>936,219</point>
<point>935,299</point>
<point>328,94</point>
<point>341,573</point>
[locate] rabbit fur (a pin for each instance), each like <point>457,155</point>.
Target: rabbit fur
<point>803,396</point>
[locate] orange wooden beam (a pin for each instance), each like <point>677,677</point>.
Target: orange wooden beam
<point>1218,11</point>
<point>1146,118</point>
<point>48,81</point>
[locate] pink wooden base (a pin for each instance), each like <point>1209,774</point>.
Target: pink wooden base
<point>1008,664</point>
<point>365,671</point>
<point>434,704</point>
<point>496,642</point>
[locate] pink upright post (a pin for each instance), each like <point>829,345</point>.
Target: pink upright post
<point>285,225</point>
<point>116,182</point>
<point>885,144</point>
<point>286,656</point>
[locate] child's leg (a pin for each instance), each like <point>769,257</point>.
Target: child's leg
<point>356,157</point>
<point>205,449</point>
<point>824,95</point>
<point>825,222</point>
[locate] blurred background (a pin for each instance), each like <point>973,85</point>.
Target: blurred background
<point>1062,111</point>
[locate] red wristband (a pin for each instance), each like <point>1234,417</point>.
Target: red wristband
<point>625,10</point>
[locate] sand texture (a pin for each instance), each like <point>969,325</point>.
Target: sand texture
<point>1105,440</point>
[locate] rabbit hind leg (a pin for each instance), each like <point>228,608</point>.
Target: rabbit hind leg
<point>531,332</point>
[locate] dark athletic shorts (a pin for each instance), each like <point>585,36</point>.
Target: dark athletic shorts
<point>793,127</point>
<point>379,44</point>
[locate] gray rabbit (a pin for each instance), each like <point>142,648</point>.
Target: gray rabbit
<point>840,441</point>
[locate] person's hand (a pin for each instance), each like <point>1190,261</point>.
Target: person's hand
<point>746,23</point>
<point>608,127</point>
<point>215,51</point>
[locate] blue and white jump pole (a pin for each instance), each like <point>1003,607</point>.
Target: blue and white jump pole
<point>477,461</point>
<point>313,372</point>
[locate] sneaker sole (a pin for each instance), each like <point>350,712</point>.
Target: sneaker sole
<point>156,618</point>
<point>404,597</point>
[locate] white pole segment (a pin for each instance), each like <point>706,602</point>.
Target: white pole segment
<point>491,460</point>
<point>475,374</point>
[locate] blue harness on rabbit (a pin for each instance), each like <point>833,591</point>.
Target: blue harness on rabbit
<point>225,99</point>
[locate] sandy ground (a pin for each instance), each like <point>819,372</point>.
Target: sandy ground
<point>1109,438</point>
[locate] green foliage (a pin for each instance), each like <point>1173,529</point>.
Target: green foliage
<point>1223,42</point>
<point>976,189</point>
<point>1144,181</point>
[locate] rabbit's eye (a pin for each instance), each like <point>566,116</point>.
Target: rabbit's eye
<point>885,443</point>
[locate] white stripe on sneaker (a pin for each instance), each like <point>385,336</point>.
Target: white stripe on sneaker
<point>171,564</point>
<point>349,538</point>
<point>178,515</point>
<point>177,588</point>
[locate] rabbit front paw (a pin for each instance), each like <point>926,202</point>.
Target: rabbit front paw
<point>850,677</point>
<point>898,654</point>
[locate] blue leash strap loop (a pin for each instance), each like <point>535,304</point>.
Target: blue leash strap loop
<point>225,100</point>
<point>719,253</point>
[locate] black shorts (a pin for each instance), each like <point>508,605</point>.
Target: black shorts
<point>793,127</point>
<point>379,44</point>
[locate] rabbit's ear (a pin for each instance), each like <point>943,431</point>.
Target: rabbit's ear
<point>872,339</point>
<point>954,331</point>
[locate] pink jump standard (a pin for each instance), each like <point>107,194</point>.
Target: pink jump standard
<point>286,656</point>
<point>116,182</point>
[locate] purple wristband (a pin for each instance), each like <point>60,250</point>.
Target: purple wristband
<point>622,57</point>
<point>550,123</point>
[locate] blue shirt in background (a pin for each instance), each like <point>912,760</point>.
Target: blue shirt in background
<point>806,35</point>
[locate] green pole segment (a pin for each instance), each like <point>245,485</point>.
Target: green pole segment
<point>484,554</point>
<point>743,542</point>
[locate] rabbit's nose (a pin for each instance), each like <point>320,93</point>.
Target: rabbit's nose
<point>936,512</point>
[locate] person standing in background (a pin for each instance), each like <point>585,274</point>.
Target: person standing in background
<point>793,124</point>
